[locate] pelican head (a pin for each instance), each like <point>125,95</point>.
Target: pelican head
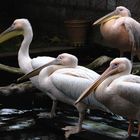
<point>118,66</point>
<point>64,60</point>
<point>19,27</point>
<point>120,11</point>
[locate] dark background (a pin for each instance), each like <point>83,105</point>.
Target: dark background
<point>47,16</point>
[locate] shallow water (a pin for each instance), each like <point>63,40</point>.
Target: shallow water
<point>20,124</point>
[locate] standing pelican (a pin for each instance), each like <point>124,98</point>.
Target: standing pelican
<point>66,81</point>
<point>118,90</point>
<point>121,31</point>
<point>26,63</point>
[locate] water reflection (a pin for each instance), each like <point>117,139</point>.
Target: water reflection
<point>22,124</point>
<point>18,124</point>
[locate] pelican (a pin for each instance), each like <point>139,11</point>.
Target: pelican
<point>66,81</point>
<point>26,63</point>
<point>118,90</point>
<point>121,31</point>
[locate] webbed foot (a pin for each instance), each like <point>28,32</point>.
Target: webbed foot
<point>69,130</point>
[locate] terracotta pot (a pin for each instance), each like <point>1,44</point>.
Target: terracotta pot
<point>77,31</point>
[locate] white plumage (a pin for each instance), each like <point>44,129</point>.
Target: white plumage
<point>65,82</point>
<point>26,63</point>
<point>118,90</point>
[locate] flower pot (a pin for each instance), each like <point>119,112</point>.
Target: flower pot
<point>77,31</point>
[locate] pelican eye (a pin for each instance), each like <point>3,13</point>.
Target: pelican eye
<point>60,57</point>
<point>120,9</point>
<point>14,24</point>
<point>114,65</point>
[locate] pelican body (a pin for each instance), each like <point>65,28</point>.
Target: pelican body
<point>118,90</point>
<point>26,63</point>
<point>66,82</point>
<point>121,31</point>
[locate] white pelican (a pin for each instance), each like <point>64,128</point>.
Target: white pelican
<point>121,31</point>
<point>118,90</point>
<point>66,83</point>
<point>26,63</point>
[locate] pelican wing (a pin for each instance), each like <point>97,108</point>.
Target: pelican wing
<point>129,88</point>
<point>80,72</point>
<point>72,82</point>
<point>133,28</point>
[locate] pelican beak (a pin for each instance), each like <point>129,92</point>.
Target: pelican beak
<point>106,18</point>
<point>109,71</point>
<point>37,71</point>
<point>10,33</point>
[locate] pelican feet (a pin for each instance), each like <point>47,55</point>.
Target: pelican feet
<point>130,127</point>
<point>51,114</point>
<point>69,130</point>
<point>47,115</point>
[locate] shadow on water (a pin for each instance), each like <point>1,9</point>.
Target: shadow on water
<point>34,135</point>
